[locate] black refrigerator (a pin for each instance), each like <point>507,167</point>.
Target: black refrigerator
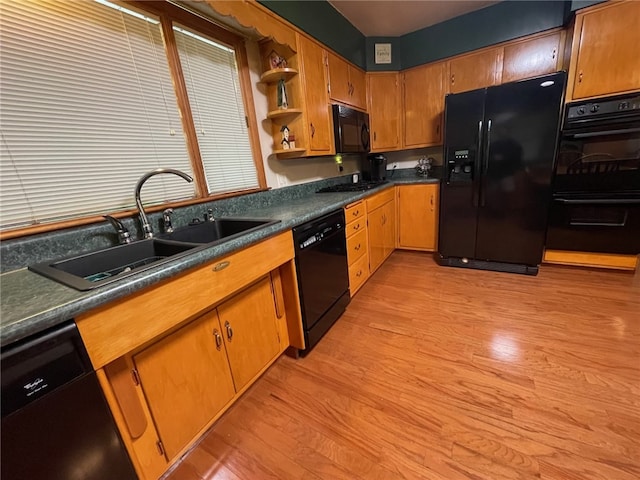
<point>499,150</point>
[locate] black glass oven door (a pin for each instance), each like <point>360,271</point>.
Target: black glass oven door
<point>599,160</point>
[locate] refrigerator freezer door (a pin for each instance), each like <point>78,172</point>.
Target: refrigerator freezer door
<point>459,192</point>
<point>517,169</point>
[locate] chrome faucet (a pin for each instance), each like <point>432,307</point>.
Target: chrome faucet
<point>147,231</point>
<point>166,220</point>
<point>123,233</point>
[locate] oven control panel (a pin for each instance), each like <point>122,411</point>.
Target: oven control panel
<point>603,107</point>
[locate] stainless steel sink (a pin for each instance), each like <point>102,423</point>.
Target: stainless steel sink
<point>216,231</point>
<point>92,270</point>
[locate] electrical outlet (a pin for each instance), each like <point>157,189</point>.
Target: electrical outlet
<point>394,165</point>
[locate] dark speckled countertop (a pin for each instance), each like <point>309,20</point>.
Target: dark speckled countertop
<point>30,303</point>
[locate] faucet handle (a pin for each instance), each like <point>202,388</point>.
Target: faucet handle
<point>208,217</point>
<point>123,234</point>
<point>166,220</point>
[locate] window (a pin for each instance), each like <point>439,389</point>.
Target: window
<point>88,105</point>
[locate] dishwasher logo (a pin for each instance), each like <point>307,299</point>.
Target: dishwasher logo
<point>35,386</point>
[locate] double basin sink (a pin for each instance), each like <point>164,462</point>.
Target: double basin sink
<point>92,270</point>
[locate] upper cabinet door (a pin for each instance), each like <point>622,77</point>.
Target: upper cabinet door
<point>339,86</point>
<point>384,106</point>
<point>319,123</point>
<point>347,84</point>
<point>605,58</point>
<point>531,58</point>
<point>476,70</point>
<point>358,80</point>
<point>423,104</point>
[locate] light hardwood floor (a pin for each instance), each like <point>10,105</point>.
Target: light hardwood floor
<point>443,373</point>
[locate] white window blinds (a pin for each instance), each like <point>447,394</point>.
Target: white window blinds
<point>213,87</point>
<point>87,107</point>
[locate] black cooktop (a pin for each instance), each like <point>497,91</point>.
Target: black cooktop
<point>352,187</point>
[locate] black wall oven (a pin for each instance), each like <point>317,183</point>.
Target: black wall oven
<point>596,200</point>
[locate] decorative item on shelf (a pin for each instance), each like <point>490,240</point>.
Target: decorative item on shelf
<point>286,145</point>
<point>283,102</point>
<point>424,166</point>
<point>276,61</point>
<point>292,140</point>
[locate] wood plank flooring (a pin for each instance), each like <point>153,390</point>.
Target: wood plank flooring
<point>443,373</point>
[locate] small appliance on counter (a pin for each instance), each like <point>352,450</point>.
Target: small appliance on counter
<point>374,167</point>
<point>424,166</point>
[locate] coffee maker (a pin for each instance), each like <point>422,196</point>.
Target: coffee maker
<point>374,167</point>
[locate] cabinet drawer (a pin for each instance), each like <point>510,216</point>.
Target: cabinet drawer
<point>358,273</point>
<point>356,246</point>
<point>353,212</point>
<point>359,225</point>
<point>380,199</point>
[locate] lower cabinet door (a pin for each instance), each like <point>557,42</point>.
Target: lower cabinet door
<point>186,380</point>
<point>418,216</point>
<point>249,324</point>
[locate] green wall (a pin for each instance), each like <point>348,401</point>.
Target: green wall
<point>497,23</point>
<point>323,22</point>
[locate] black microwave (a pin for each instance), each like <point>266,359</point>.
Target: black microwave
<point>351,130</point>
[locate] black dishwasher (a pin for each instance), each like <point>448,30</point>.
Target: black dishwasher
<point>56,423</point>
<point>323,274</point>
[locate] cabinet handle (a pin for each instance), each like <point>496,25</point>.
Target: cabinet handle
<point>432,202</point>
<point>356,226</point>
<point>313,130</point>
<point>580,78</point>
<point>227,325</point>
<point>221,266</point>
<point>374,136</point>
<point>356,213</point>
<point>438,129</point>
<point>359,274</point>
<point>453,78</point>
<point>553,54</point>
<point>218,337</point>
<point>357,247</point>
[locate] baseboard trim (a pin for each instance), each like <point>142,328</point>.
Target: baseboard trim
<point>587,259</point>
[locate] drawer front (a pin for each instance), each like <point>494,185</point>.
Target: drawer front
<point>357,226</point>
<point>356,246</point>
<point>358,274</point>
<point>354,211</point>
<point>380,199</point>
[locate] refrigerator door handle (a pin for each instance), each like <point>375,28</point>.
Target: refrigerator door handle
<point>485,166</point>
<point>476,167</point>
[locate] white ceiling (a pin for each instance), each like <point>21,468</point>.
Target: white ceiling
<point>381,18</point>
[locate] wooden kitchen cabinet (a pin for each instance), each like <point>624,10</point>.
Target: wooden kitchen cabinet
<point>347,83</point>
<point>533,56</point>
<point>189,376</point>
<point>384,104</point>
<point>158,352</point>
<point>476,70</point>
<point>249,325</point>
<point>186,381</point>
<point>418,216</point>
<point>357,245</point>
<point>604,52</point>
<point>381,227</point>
<point>318,122</point>
<point>423,104</point>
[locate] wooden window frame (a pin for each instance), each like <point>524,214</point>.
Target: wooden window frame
<point>168,15</point>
